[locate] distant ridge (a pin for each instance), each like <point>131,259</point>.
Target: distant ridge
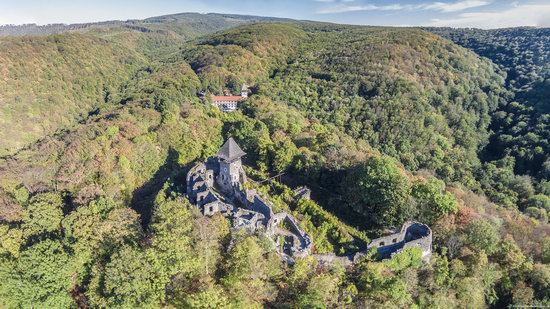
<point>204,23</point>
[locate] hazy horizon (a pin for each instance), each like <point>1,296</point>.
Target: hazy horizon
<point>485,14</point>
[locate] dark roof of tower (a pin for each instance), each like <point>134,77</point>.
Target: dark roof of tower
<point>230,151</point>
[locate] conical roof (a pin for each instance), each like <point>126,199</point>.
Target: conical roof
<point>230,151</point>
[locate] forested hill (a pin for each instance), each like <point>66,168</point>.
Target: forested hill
<point>384,125</point>
<point>51,82</point>
<point>408,94</point>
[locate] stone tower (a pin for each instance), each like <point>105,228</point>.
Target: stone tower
<point>231,171</point>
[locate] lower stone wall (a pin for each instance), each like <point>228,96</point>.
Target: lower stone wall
<point>305,241</point>
<point>193,172</point>
<point>331,258</point>
<point>241,196</point>
<point>259,205</point>
<point>411,234</point>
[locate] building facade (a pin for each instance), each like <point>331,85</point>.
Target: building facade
<point>228,102</point>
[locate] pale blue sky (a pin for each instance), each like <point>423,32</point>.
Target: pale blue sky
<point>457,13</point>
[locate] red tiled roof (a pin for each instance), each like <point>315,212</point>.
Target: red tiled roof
<point>231,98</point>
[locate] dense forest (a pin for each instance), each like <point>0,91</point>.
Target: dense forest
<point>520,127</point>
<point>384,125</point>
<point>79,71</point>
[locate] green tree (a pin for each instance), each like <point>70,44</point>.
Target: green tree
<point>432,200</point>
<point>496,179</point>
<point>39,278</point>
<point>97,230</point>
<point>321,291</point>
<point>171,230</point>
<point>11,240</point>
<point>537,213</point>
<point>539,201</point>
<point>408,258</point>
<point>282,152</point>
<point>209,236</point>
<point>482,236</point>
<point>379,287</point>
<point>510,255</point>
<point>43,214</point>
<point>378,190</point>
<point>545,250</point>
<point>246,277</point>
<point>540,278</point>
<point>208,297</point>
<point>130,279</point>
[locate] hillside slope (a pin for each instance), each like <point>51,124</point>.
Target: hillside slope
<point>520,141</point>
<point>49,83</point>
<point>407,93</point>
<point>524,54</point>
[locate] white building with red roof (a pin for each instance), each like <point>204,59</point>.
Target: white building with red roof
<point>228,102</point>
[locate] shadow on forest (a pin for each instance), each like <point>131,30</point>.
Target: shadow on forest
<point>327,190</point>
<point>143,197</point>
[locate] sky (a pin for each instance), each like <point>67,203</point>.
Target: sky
<point>455,13</point>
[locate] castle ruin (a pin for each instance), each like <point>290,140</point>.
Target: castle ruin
<point>217,186</point>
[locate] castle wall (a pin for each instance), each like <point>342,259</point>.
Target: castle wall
<point>247,219</point>
<point>241,196</point>
<point>211,208</point>
<point>411,234</point>
<point>331,258</point>
<point>201,196</point>
<point>305,243</point>
<point>302,193</point>
<point>213,184</point>
<point>259,205</point>
<point>193,173</point>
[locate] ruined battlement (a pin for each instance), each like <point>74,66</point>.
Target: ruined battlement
<point>411,234</point>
